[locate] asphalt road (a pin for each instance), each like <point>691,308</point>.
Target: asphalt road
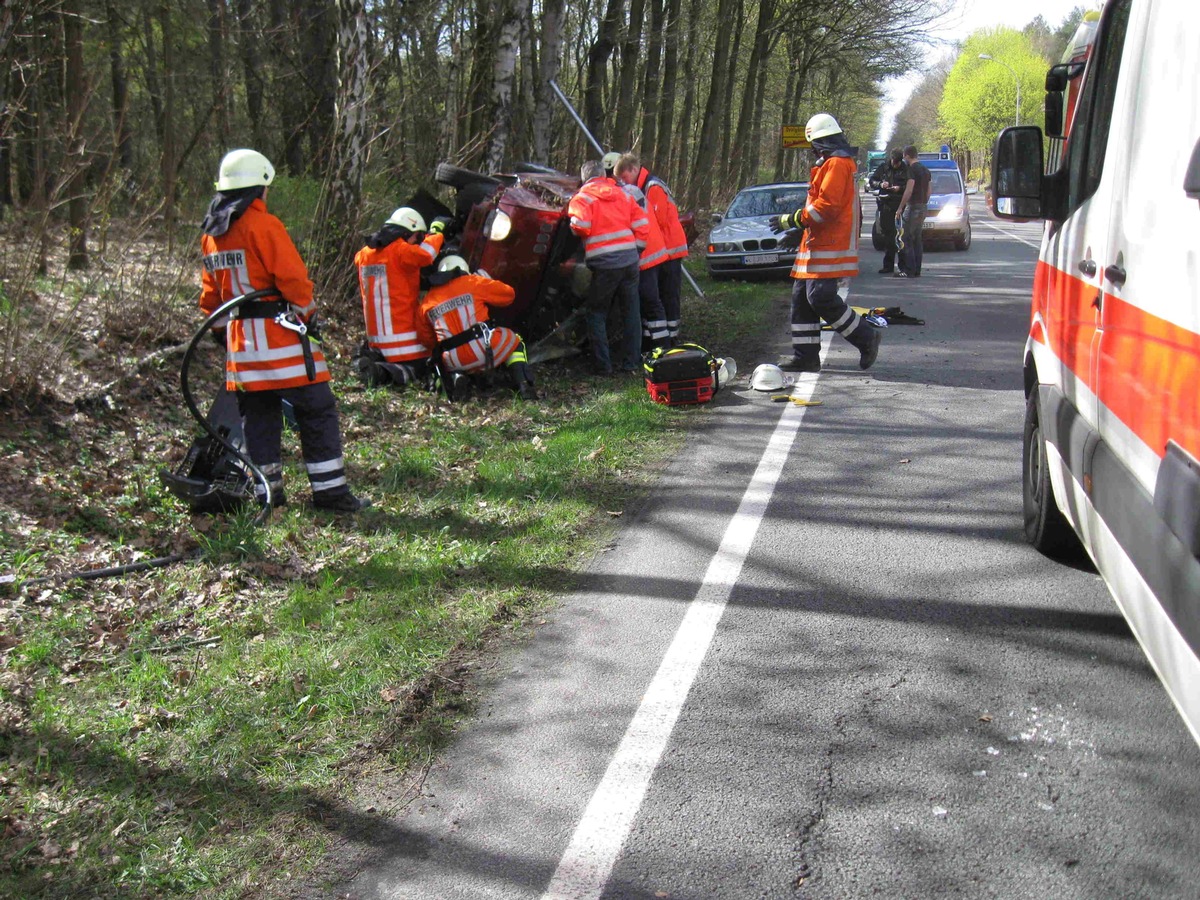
<point>821,662</point>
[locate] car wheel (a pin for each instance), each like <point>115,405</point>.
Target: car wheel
<point>877,240</point>
<point>962,243</point>
<point>455,177</point>
<point>1046,528</point>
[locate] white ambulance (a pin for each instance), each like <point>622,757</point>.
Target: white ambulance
<point>1112,363</point>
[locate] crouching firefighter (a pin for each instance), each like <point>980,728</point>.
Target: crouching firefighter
<point>828,255</point>
<point>389,279</point>
<point>270,355</point>
<point>454,321</point>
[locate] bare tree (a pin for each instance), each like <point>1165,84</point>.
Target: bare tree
<point>549,63</point>
<point>597,68</point>
<point>630,45</point>
<point>76,92</point>
<point>508,32</point>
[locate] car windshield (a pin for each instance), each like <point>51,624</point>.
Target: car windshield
<point>945,182</point>
<point>767,201</point>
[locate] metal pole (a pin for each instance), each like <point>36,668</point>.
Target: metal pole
<point>600,150</point>
<point>574,115</point>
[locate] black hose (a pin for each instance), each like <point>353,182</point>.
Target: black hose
<point>91,574</point>
<point>223,310</point>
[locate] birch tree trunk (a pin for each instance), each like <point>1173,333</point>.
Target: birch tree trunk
<point>508,35</point>
<point>549,63</point>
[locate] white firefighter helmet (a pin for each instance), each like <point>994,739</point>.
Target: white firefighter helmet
<point>610,160</point>
<point>769,377</point>
<point>407,217</point>
<point>243,169</point>
<point>821,125</point>
<point>452,262</point>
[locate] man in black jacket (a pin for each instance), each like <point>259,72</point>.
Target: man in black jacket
<point>888,182</point>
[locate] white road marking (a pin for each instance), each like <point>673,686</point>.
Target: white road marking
<point>1009,234</point>
<point>588,860</point>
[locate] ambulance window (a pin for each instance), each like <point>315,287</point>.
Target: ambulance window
<point>1089,133</point>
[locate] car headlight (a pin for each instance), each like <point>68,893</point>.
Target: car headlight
<point>722,247</point>
<point>500,225</point>
<point>952,211</point>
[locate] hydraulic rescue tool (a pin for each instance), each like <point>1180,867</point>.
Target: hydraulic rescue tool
<point>217,475</point>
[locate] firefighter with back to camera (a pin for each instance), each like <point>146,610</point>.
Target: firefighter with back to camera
<point>389,281</point>
<point>828,255</point>
<point>453,318</point>
<point>614,230</point>
<point>270,355</point>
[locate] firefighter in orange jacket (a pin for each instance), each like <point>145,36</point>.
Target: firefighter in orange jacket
<point>389,280</point>
<point>614,230</point>
<point>453,320</point>
<point>828,255</point>
<point>269,353</point>
<point>661,206</point>
<point>655,332</point>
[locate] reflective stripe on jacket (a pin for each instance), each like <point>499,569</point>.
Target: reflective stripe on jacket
<point>389,280</point>
<point>255,254</point>
<point>662,207</point>
<point>450,309</point>
<point>613,227</point>
<point>829,247</point>
<point>655,251</point>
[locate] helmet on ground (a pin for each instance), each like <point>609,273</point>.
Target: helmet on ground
<point>821,125</point>
<point>610,160</point>
<point>452,262</point>
<point>407,217</point>
<point>768,377</point>
<point>244,169</point>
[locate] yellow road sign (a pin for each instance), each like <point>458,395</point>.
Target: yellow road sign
<point>793,138</point>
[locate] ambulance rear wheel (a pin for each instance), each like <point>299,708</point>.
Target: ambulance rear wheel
<point>1046,528</point>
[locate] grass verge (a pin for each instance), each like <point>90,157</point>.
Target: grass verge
<point>188,731</point>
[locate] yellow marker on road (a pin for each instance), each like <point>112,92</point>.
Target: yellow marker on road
<point>781,398</point>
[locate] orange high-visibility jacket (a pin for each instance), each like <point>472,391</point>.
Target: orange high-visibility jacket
<point>829,248</point>
<point>389,280</point>
<point>609,221</point>
<point>655,251</point>
<point>256,253</point>
<point>451,308</point>
<point>663,208</point>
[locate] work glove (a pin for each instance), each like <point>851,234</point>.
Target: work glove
<point>786,222</point>
<point>791,239</point>
<point>438,225</point>
<point>218,336</point>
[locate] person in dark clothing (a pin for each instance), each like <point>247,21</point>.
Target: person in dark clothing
<point>912,211</point>
<point>889,180</point>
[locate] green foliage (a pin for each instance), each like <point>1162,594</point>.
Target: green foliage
<point>980,97</point>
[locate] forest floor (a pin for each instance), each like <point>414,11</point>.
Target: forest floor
<point>200,729</point>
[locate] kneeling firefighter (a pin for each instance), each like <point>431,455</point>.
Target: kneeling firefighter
<point>389,280</point>
<point>269,352</point>
<point>453,320</point>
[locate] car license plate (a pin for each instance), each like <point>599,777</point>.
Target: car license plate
<point>926,224</point>
<point>760,260</point>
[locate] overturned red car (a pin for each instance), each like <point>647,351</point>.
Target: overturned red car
<point>515,227</point>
